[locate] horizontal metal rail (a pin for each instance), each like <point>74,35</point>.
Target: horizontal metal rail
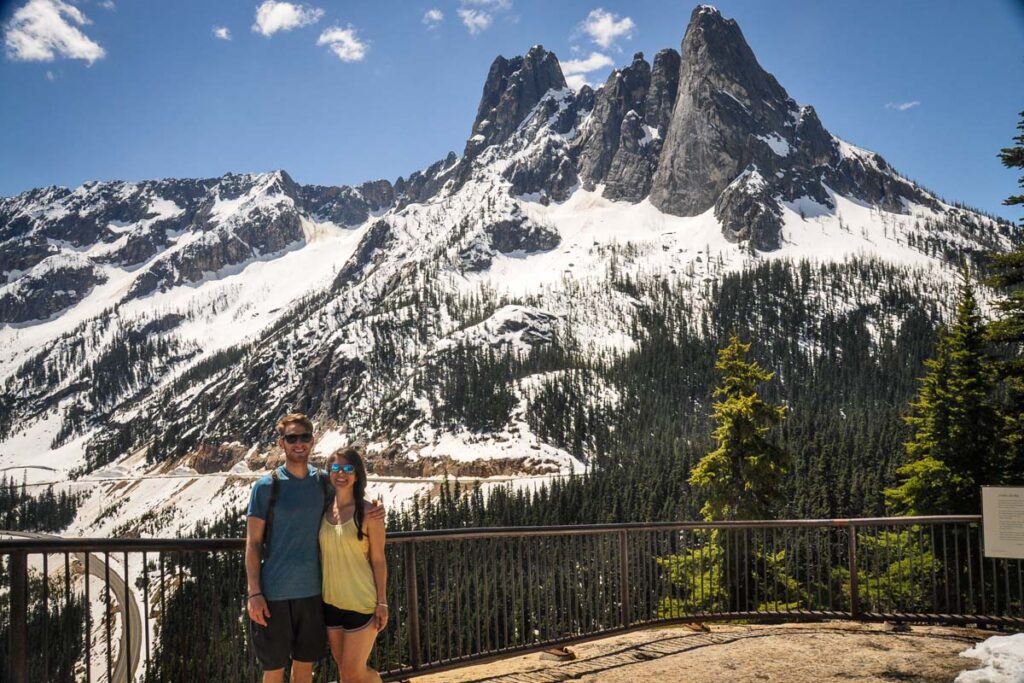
<point>112,608</point>
<point>217,544</point>
<point>136,545</point>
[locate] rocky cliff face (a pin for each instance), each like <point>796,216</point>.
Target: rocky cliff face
<point>725,101</point>
<point>512,89</point>
<point>732,118</point>
<point>57,245</point>
<point>55,284</point>
<point>624,92</point>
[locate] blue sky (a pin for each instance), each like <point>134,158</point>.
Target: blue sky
<point>342,92</point>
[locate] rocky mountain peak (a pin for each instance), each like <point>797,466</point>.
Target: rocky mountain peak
<point>725,101</point>
<point>714,47</point>
<point>512,89</point>
<point>664,86</point>
<point>625,91</point>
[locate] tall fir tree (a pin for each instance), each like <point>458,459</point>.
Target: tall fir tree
<point>954,449</point>
<point>1013,157</point>
<point>1007,330</point>
<point>742,477</point>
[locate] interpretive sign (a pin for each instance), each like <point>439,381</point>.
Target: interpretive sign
<point>1002,511</point>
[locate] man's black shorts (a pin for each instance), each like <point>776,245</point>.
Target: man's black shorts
<point>295,630</point>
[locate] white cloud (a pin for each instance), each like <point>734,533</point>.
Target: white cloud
<point>576,82</point>
<point>575,70</point>
<point>50,76</point>
<point>604,28</point>
<point>595,61</point>
<point>476,20</point>
<point>108,4</point>
<point>42,30</point>
<point>433,17</point>
<point>493,4</point>
<point>902,106</point>
<point>273,16</point>
<point>222,32</point>
<point>344,43</point>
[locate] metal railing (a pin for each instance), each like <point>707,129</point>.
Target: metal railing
<point>154,610</point>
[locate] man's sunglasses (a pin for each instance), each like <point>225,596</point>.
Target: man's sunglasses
<point>305,437</point>
<point>347,469</point>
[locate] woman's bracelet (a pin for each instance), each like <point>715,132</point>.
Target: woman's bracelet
<point>254,595</point>
<point>382,604</point>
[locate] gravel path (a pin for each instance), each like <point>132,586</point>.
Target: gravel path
<point>790,653</point>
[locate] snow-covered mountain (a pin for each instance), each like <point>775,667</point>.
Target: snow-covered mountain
<point>154,331</point>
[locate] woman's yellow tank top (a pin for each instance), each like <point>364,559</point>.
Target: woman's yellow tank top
<point>348,577</point>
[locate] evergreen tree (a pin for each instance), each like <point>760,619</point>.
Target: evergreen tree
<point>953,450</point>
<point>1007,331</point>
<point>1013,157</point>
<point>742,477</point>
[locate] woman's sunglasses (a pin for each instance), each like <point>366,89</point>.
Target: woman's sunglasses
<point>347,469</point>
<point>305,437</point>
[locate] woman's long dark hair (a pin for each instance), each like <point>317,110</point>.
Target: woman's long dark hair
<point>352,456</point>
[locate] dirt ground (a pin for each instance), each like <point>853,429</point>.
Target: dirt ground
<point>790,653</point>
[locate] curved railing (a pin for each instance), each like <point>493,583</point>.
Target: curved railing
<point>461,596</point>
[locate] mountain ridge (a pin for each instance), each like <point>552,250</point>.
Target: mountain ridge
<point>168,323</point>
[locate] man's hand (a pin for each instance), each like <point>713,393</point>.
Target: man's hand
<point>258,609</point>
<point>377,511</point>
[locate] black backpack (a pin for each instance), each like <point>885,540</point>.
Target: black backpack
<point>275,488</point>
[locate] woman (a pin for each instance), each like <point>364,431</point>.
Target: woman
<point>355,571</point>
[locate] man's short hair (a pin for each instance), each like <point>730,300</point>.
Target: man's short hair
<point>294,418</point>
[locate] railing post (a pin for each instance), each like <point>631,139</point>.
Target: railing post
<point>19,616</point>
<point>624,575</point>
<point>414,604</point>
<point>854,587</point>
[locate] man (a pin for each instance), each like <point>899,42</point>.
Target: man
<point>284,582</point>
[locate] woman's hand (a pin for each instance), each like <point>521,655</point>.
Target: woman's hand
<point>381,613</point>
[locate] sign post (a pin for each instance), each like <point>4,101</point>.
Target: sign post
<point>1002,510</point>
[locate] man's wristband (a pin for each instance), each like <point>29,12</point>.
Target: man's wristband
<point>254,595</point>
<point>382,604</point>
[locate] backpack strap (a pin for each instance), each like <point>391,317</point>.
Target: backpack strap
<point>325,489</point>
<point>275,488</point>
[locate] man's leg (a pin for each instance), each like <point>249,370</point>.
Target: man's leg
<point>310,635</point>
<point>272,642</point>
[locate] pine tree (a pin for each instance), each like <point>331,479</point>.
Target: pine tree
<point>954,447</point>
<point>742,477</point>
<point>1007,331</point>
<point>1013,157</point>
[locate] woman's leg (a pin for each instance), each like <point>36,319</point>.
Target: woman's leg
<point>356,652</point>
<point>335,637</point>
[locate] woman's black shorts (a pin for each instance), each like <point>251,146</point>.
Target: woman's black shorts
<point>345,618</point>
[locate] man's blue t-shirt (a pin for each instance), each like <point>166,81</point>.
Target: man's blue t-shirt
<point>292,570</point>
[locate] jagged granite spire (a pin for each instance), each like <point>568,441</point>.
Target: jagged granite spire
<point>513,88</point>
<point>643,130</point>
<point>661,98</point>
<point>733,123</point>
<point>625,91</point>
<point>724,99</point>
